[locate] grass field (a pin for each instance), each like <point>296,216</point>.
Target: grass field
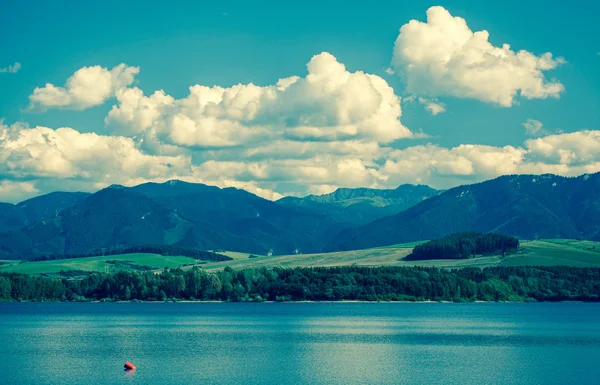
<point>549,252</point>
<point>237,255</point>
<point>556,252</point>
<point>540,252</point>
<point>123,262</point>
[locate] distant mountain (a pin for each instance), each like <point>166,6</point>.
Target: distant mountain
<point>175,212</point>
<point>362,205</point>
<point>525,206</point>
<point>235,219</point>
<point>49,205</point>
<point>110,218</point>
<point>10,217</point>
<point>208,218</point>
<point>13,217</point>
<point>172,188</point>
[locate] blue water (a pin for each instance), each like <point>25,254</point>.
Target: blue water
<point>300,343</point>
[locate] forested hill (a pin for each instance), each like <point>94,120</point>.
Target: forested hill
<point>204,217</point>
<point>150,249</point>
<point>188,215</point>
<point>14,217</point>
<point>524,206</point>
<point>463,245</point>
<point>316,284</point>
<point>173,213</point>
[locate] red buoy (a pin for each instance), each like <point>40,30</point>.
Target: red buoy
<point>129,366</point>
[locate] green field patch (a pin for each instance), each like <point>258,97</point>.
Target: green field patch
<point>9,262</point>
<point>238,255</point>
<point>369,257</point>
<point>128,265</point>
<point>403,245</point>
<point>555,253</point>
<point>567,252</point>
<point>563,252</point>
<point>576,243</point>
<point>110,263</point>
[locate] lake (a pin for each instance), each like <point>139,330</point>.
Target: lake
<point>300,343</point>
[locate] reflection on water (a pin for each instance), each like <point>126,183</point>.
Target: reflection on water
<point>299,343</point>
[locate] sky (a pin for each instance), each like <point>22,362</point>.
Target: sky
<point>296,98</point>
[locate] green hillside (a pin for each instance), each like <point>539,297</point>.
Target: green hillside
<point>236,255</point>
<point>522,206</point>
<point>540,252</point>
<point>550,252</point>
<point>112,263</point>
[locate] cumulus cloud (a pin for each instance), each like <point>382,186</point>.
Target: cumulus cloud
<point>433,106</point>
<point>534,127</point>
<point>385,167</point>
<point>32,155</point>
<point>446,167</point>
<point>320,170</point>
<point>15,191</point>
<point>329,104</point>
<point>87,87</point>
<point>135,112</point>
<point>573,149</point>
<point>443,56</point>
<point>65,153</point>
<point>563,154</point>
<point>11,69</point>
<point>307,134</point>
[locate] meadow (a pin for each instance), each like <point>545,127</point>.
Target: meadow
<point>550,252</point>
<point>108,263</point>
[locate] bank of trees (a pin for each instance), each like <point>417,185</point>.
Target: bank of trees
<point>464,245</point>
<point>151,249</point>
<point>316,284</point>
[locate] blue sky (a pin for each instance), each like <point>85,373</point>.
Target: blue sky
<point>176,45</point>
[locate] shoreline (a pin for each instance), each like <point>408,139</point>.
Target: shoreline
<point>296,302</point>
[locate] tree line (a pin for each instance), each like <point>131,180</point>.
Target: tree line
<point>463,246</point>
<point>315,284</point>
<point>152,249</point>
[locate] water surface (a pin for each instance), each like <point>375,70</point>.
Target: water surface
<point>300,343</point>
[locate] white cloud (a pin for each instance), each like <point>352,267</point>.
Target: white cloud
<point>432,106</point>
<point>87,87</point>
<point>311,134</point>
<point>563,154</point>
<point>12,69</point>
<point>136,112</point>
<point>534,127</point>
<point>444,57</point>
<point>318,170</point>
<point>65,156</point>
<point>14,191</point>
<point>444,167</point>
<point>329,104</point>
<point>574,149</point>
<point>65,153</point>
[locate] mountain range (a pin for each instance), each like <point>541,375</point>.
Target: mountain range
<point>355,206</point>
<point>211,218</point>
<point>524,206</point>
<point>33,210</point>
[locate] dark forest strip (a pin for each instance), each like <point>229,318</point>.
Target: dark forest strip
<point>557,283</point>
